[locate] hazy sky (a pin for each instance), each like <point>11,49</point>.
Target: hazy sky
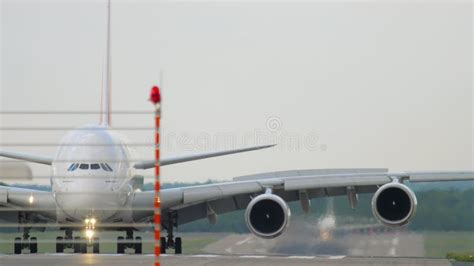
<point>355,84</point>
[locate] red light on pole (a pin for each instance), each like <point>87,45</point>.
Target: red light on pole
<point>155,95</point>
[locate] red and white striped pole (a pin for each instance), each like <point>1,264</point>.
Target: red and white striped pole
<point>155,98</point>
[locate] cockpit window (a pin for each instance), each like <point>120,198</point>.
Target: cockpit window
<point>106,167</point>
<point>94,166</point>
<point>73,167</point>
<point>110,168</point>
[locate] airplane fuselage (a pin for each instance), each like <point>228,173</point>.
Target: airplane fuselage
<point>91,176</point>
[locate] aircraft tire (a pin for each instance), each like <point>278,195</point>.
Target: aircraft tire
<point>84,247</point>
<point>59,245</point>
<point>120,245</point>
<point>96,246</point>
<point>163,245</point>
<point>17,245</point>
<point>138,245</point>
<point>77,244</point>
<point>178,246</point>
<point>33,245</point>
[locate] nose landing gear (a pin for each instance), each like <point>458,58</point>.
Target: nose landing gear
<point>79,244</point>
<point>76,244</point>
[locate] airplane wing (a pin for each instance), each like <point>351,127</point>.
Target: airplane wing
<point>40,204</point>
<point>180,159</point>
<point>27,157</point>
<point>188,204</point>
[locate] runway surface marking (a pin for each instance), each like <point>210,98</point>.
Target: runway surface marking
<point>302,257</point>
<point>252,256</point>
<point>243,241</point>
<point>206,256</point>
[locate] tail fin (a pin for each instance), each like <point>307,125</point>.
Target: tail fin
<point>106,88</point>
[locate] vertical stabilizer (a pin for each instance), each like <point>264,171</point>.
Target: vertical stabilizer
<point>107,86</point>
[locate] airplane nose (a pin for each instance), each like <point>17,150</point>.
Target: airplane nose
<point>78,206</point>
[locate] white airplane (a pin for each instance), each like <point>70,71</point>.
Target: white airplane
<point>95,187</point>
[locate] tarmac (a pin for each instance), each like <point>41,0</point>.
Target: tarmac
<point>227,260</point>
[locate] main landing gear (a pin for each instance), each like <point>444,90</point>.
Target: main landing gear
<point>170,241</point>
<point>25,243</point>
<point>129,242</point>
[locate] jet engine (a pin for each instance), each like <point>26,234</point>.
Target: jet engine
<point>394,204</point>
<point>267,215</point>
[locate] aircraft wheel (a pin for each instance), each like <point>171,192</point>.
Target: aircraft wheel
<point>138,245</point>
<point>59,245</point>
<point>96,247</point>
<point>120,245</point>
<point>33,245</point>
<point>17,245</point>
<point>84,247</point>
<point>163,245</point>
<point>178,246</point>
<point>77,244</point>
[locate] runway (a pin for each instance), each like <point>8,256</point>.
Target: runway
<point>184,260</point>
<point>246,249</point>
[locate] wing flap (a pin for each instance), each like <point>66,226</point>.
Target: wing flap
<point>440,176</point>
<point>311,182</point>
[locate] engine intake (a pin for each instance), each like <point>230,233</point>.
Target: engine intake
<point>394,204</point>
<point>267,216</point>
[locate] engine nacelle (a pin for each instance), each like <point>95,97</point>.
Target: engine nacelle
<point>267,216</point>
<point>394,204</point>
